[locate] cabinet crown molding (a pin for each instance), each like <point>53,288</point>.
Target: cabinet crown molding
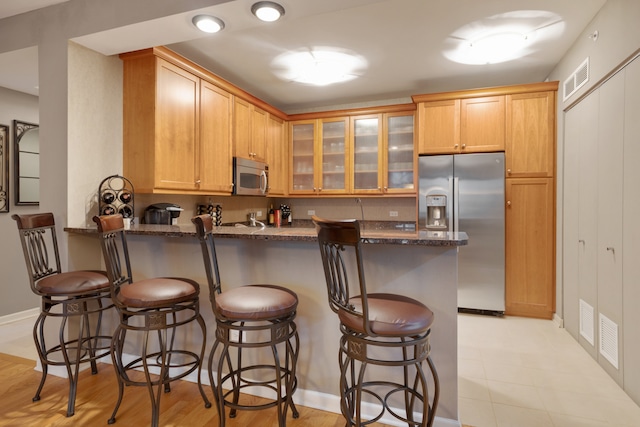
<point>490,91</point>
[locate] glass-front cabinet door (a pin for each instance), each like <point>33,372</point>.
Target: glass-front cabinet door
<point>367,159</point>
<point>334,152</point>
<point>399,160</point>
<point>303,136</point>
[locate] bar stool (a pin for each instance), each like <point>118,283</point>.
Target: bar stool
<point>250,317</point>
<point>74,297</point>
<point>377,329</point>
<point>158,305</point>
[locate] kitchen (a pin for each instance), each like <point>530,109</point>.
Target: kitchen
<point>605,54</point>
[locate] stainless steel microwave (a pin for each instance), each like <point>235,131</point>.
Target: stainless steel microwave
<point>250,177</point>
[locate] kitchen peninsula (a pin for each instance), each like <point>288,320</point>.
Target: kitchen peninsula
<point>414,263</point>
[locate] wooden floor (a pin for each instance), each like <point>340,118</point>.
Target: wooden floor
<point>97,395</point>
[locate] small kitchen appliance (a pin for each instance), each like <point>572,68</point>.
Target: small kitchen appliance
<point>250,177</point>
<point>162,213</point>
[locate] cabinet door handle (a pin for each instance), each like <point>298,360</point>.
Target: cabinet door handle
<point>464,146</point>
<point>610,248</point>
<point>509,203</point>
<point>508,171</point>
<point>581,241</point>
<point>455,145</point>
<point>198,182</point>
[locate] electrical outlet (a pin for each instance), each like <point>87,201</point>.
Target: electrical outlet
<point>311,212</point>
<point>259,213</point>
<point>234,335</point>
<point>393,213</point>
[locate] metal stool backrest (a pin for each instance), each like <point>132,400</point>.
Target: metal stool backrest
<point>115,251</point>
<point>39,245</point>
<point>337,238</point>
<point>204,231</point>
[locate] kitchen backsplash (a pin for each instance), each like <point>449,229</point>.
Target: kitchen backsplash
<point>237,208</point>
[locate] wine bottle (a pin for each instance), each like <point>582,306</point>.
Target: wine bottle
<point>271,219</point>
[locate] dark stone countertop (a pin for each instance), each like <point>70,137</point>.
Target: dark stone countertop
<point>300,234</point>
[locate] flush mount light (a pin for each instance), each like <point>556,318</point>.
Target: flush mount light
<point>267,11</point>
<point>504,37</point>
<point>319,66</point>
<point>208,23</point>
<point>496,48</point>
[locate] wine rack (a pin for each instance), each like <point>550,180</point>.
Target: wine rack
<point>115,195</point>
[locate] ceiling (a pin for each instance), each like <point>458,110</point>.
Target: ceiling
<point>407,44</point>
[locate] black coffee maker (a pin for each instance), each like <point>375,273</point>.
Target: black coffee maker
<point>162,213</point>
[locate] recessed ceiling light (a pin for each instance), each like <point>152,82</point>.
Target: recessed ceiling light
<point>208,23</point>
<point>267,11</point>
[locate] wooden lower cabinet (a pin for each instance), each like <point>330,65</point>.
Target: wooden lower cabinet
<point>530,247</point>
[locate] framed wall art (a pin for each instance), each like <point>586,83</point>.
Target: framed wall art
<point>26,154</point>
<point>4,168</point>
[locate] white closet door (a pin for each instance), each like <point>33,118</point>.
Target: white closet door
<point>631,235</point>
<point>570,209</point>
<point>587,219</point>
<point>609,252</point>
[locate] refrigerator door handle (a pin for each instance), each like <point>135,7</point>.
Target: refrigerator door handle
<point>456,204</point>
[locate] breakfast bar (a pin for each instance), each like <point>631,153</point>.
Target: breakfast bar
<point>418,264</point>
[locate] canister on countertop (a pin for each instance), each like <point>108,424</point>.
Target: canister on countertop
<point>277,217</point>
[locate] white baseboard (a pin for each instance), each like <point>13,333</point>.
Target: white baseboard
<point>307,398</point>
<point>22,315</point>
<point>558,320</point>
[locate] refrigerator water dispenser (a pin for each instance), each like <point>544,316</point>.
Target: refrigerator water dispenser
<point>436,212</point>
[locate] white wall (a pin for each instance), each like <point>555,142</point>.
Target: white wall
<point>15,294</point>
<point>618,38</point>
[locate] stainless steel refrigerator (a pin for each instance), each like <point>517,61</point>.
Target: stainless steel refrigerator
<point>465,192</point>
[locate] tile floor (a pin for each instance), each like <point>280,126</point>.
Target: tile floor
<point>513,372</point>
<point>527,372</point>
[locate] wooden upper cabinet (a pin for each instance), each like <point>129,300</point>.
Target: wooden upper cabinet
<point>467,125</point>
<point>242,132</point>
<point>177,111</point>
<point>161,106</point>
<point>215,139</point>
<point>259,128</point>
<point>530,135</point>
<point>439,127</point>
<point>277,159</point>
<point>176,126</point>
<point>482,124</point>
<point>249,130</point>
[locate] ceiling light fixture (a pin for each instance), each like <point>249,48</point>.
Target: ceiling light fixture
<point>319,67</point>
<point>496,48</point>
<point>267,11</point>
<point>208,23</point>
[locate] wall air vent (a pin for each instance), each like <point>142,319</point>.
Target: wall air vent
<point>586,321</point>
<point>576,80</point>
<point>609,340</point>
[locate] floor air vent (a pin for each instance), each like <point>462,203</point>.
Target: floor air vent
<point>586,321</point>
<point>609,340</point>
<point>576,80</point>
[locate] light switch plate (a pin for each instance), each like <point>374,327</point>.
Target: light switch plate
<point>311,212</point>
